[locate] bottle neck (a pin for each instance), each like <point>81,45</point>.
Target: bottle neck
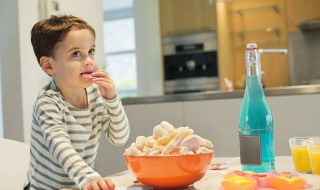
<point>253,82</point>
<point>252,62</point>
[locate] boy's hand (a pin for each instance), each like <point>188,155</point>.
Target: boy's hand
<point>105,83</point>
<point>99,184</point>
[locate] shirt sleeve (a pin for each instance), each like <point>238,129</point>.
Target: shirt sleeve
<point>116,125</point>
<point>50,118</point>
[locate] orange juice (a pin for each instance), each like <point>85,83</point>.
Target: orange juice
<point>301,159</point>
<point>315,162</point>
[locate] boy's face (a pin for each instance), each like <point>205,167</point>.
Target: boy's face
<point>72,57</point>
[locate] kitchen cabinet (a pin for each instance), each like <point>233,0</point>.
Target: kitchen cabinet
<point>186,16</point>
<point>216,120</point>
<point>154,113</point>
<point>247,21</point>
<point>263,22</point>
<point>299,11</point>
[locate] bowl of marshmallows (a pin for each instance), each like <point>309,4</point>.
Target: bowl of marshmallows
<point>170,157</point>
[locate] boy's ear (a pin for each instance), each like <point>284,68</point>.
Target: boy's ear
<point>45,64</point>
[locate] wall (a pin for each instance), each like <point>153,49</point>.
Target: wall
<point>10,70</point>
<point>148,48</point>
<point>92,12</point>
<point>32,76</point>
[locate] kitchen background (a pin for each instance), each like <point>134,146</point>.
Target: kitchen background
<point>272,24</point>
<point>137,64</point>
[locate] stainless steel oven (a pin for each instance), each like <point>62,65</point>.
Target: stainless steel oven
<point>190,63</point>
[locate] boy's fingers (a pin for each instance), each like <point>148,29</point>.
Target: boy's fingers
<point>103,185</point>
<point>110,184</point>
<point>101,73</point>
<point>94,186</point>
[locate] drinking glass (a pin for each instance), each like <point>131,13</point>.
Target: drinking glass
<point>313,145</point>
<point>300,154</point>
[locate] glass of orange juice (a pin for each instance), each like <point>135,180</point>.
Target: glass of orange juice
<point>300,154</point>
<point>313,145</point>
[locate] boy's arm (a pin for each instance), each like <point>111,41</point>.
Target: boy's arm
<point>116,126</point>
<point>57,140</point>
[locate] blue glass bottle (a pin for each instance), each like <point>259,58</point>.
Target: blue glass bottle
<point>255,122</point>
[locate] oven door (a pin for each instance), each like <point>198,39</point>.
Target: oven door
<point>191,72</point>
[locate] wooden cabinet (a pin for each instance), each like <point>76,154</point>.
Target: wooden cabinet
<point>299,11</point>
<point>247,21</point>
<point>186,16</point>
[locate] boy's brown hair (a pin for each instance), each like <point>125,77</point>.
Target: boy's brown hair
<point>47,33</point>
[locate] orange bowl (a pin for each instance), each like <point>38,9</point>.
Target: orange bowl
<point>175,171</point>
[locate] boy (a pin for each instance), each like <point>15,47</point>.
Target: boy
<point>72,110</point>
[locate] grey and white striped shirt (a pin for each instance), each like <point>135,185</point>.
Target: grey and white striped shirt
<point>65,139</point>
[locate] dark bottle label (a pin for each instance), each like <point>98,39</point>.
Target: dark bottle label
<point>250,150</point>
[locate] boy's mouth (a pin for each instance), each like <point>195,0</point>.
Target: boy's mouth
<point>87,74</point>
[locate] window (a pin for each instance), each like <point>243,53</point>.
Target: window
<point>119,43</point>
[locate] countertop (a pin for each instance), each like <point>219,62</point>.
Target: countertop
<point>279,91</point>
<point>126,181</point>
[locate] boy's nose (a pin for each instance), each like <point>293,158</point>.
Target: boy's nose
<point>89,61</point>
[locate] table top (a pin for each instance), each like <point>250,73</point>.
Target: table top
<point>126,181</point>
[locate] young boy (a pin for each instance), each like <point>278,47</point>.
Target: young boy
<point>73,109</point>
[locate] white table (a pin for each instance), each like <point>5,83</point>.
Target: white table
<point>211,181</point>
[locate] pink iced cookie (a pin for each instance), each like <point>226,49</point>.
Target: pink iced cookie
<point>286,180</point>
<point>261,180</point>
<point>238,183</point>
<point>268,181</point>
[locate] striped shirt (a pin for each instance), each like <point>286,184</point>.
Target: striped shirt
<point>65,139</point>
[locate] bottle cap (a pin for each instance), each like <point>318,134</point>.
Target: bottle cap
<point>252,46</point>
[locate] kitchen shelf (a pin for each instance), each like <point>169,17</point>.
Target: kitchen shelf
<point>242,34</point>
<point>274,8</point>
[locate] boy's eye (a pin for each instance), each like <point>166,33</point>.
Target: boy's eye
<point>76,54</point>
<point>92,51</point>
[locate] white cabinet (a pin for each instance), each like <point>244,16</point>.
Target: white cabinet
<point>216,120</point>
<point>294,116</point>
<point>149,115</point>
